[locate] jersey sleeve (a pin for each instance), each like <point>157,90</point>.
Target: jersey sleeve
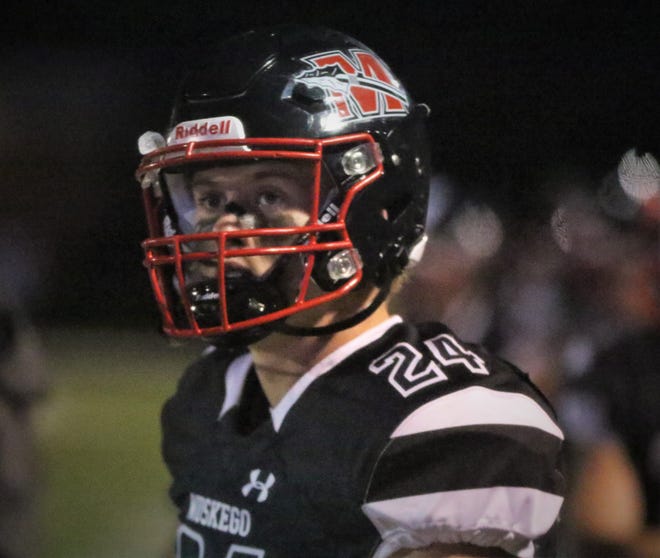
<point>477,466</point>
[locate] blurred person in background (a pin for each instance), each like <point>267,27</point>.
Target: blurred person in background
<point>456,280</point>
<point>611,404</point>
<point>531,321</point>
<point>23,382</point>
<point>491,288</point>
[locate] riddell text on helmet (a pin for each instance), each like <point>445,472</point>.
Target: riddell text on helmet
<point>224,127</point>
<point>206,129</point>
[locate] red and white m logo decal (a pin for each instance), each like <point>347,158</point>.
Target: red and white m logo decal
<point>357,84</point>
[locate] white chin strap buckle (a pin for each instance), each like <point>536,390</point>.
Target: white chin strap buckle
<point>417,251</point>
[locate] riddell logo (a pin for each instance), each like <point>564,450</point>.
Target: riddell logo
<point>357,84</point>
<point>224,127</point>
<point>182,132</point>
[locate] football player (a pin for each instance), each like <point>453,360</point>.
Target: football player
<point>285,199</point>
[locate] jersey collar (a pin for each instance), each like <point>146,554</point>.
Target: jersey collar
<point>240,366</point>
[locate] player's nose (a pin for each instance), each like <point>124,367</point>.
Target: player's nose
<point>235,208</point>
<point>231,218</point>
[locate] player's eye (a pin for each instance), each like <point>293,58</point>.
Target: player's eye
<point>269,199</point>
<point>210,201</point>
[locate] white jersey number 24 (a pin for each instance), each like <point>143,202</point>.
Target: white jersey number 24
<point>409,371</point>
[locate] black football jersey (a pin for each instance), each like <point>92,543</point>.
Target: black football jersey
<point>404,437</point>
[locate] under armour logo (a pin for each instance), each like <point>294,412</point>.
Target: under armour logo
<point>261,486</point>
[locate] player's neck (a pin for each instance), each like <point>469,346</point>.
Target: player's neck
<point>280,360</point>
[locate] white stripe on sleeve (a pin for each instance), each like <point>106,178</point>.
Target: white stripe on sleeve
<point>503,516</point>
<point>478,405</point>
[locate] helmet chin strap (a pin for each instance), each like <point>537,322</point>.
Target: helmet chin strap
<point>355,319</point>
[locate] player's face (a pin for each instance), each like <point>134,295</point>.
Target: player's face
<point>259,195</point>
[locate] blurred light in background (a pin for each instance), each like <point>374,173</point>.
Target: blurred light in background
<point>639,175</point>
<point>478,230</point>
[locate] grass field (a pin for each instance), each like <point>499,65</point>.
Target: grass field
<point>104,483</point>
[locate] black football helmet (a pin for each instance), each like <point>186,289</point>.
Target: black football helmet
<point>309,96</point>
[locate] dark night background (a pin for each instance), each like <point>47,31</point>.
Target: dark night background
<point>519,91</point>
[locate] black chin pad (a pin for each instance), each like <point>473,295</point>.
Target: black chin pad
<point>246,297</point>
